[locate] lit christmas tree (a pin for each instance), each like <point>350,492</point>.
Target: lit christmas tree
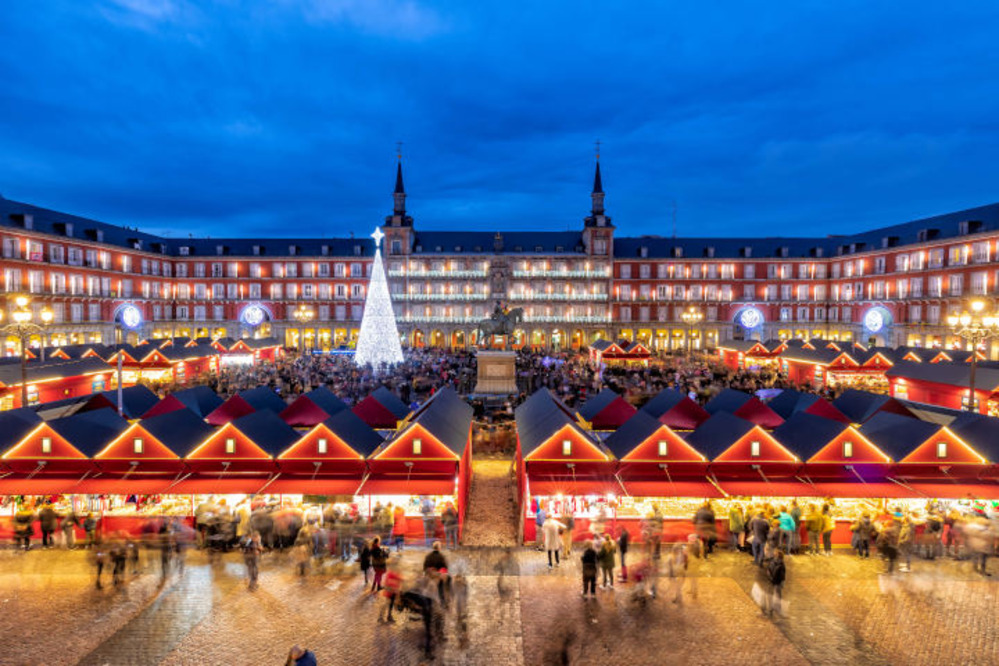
<point>378,342</point>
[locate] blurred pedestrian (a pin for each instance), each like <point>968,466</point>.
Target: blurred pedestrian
<point>676,570</point>
<point>623,541</point>
<point>552,539</point>
<point>589,562</point>
<point>252,550</point>
<point>24,529</point>
<point>48,522</point>
<point>813,523</point>
<point>606,557</point>
<point>399,528</point>
<point>736,523</point>
<point>299,656</point>
<point>90,528</point>
<point>429,520</point>
<point>539,522</point>
<point>449,519</point>
<point>364,559</point>
<point>379,562</point>
<point>776,574</point>
<point>69,523</point>
<point>704,524</point>
<point>828,525</point>
<point>759,528</point>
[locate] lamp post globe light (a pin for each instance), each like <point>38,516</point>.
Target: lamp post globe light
<point>22,325</point>
<point>303,314</point>
<point>976,326</point>
<point>691,316</point>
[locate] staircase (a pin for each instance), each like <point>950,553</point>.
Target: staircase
<point>491,520</point>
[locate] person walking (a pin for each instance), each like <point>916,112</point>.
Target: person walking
<point>888,545</point>
<point>393,588</point>
<point>623,541</point>
<point>759,531</point>
<point>379,560</point>
<point>828,525</point>
<point>776,575</point>
<point>435,566</point>
<point>787,526</point>
<point>589,562</point>
<point>570,523</point>
<point>796,533</point>
<point>68,524</point>
<point>906,538</point>
<point>48,521</point>
<point>813,522</point>
<point>252,549</point>
<point>90,528</point>
<point>364,559</point>
<point>539,522</point>
<point>607,549</point>
<point>449,518</point>
<point>398,528</point>
<point>429,520</point>
<point>864,530</point>
<point>299,656</point>
<point>736,523</point>
<point>24,520</point>
<point>552,539</point>
<point>676,570</point>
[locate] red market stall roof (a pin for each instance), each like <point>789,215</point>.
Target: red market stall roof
<point>312,408</point>
<point>342,438</point>
<point>675,409</point>
<point>818,440</point>
<point>382,409</point>
<point>263,397</point>
<point>39,372</point>
<point>201,400</point>
<point>896,435</point>
<point>250,443</point>
<point>134,447</point>
<point>859,406</point>
<point>15,425</point>
<point>981,490</point>
<point>790,402</point>
<point>945,448</point>
<point>135,400</point>
<point>980,432</point>
<point>230,410</point>
<point>606,411</point>
<point>746,347</point>
<point>182,431</point>
<point>870,489</point>
<point>644,439</point>
<point>745,406</point>
<point>544,425</point>
<point>65,444</point>
<point>725,438</point>
<point>948,374</point>
<point>443,429</point>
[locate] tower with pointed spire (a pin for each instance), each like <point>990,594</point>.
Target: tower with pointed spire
<point>598,232</point>
<point>398,227</point>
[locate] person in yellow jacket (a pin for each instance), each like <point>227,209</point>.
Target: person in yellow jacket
<point>828,525</point>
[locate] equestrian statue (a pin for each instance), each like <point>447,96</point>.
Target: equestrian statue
<point>502,322</point>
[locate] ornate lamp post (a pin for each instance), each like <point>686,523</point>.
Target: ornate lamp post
<point>303,314</point>
<point>976,327</point>
<point>23,327</point>
<point>691,316</point>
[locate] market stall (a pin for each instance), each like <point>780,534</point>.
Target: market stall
<point>201,400</point>
<point>312,408</point>
<point>744,405</point>
<point>946,385</point>
<point>382,409</point>
<point>428,457</point>
<point>675,409</point>
<point>606,410</point>
<point>790,402</point>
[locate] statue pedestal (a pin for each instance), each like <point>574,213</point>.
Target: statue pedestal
<point>497,373</point>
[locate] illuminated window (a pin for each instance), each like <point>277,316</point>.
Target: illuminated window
<point>417,447</point>
<point>230,445</point>
<point>321,445</point>
<point>46,445</point>
<point>754,449</point>
<point>847,449</point>
<point>137,445</point>
<point>662,447</point>
<point>941,449</point>
<point>566,447</point>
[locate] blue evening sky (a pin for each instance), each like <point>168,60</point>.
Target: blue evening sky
<point>280,117</point>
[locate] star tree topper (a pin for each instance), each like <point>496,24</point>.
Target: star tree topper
<point>378,236</point>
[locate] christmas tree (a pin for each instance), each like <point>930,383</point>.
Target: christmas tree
<point>378,342</point>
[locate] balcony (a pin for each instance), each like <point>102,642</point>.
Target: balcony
<point>606,273</point>
<point>452,275</point>
<point>557,297</point>
<point>440,297</point>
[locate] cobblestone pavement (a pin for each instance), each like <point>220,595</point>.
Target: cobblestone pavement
<point>840,611</point>
<point>492,513</point>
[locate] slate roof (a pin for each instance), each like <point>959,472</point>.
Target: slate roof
<point>897,435</point>
<point>676,410</point>
<point>448,418</point>
<point>181,431</point>
<point>744,405</point>
<point>428,242</point>
<point>10,373</point>
<point>390,401</point>
<point>598,403</point>
<point>15,424</point>
<point>859,406</point>
<point>90,432</point>
<point>263,397</point>
<point>135,401</point>
<point>356,433</point>
<point>718,433</point>
<point>538,418</point>
<point>804,435</point>
<point>790,402</point>
<point>201,400</point>
<point>980,432</point>
<point>267,431</point>
<point>632,432</point>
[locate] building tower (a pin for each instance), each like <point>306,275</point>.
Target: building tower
<point>598,232</point>
<point>398,226</point>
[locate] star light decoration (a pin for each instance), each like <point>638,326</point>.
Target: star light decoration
<point>378,342</point>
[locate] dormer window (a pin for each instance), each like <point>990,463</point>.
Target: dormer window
<point>566,447</point>
<point>663,448</point>
<point>137,445</point>
<point>322,446</point>
<point>847,449</point>
<point>46,445</point>
<point>417,447</point>
<point>754,449</point>
<point>184,250</point>
<point>230,445</point>
<point>941,449</point>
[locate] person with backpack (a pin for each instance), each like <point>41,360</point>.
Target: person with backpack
<point>379,562</point>
<point>776,575</point>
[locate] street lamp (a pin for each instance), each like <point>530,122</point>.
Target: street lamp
<point>23,327</point>
<point>691,316</point>
<point>303,314</point>
<point>975,327</point>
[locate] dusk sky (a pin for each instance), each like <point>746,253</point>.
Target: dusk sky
<point>280,118</point>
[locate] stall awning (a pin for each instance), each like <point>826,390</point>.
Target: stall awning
<point>223,486</point>
<point>36,486</point>
<point>127,486</point>
<point>666,488</point>
<point>885,489</point>
<point>944,490</point>
<point>772,488</point>
<point>407,487</point>
<point>319,486</point>
<point>548,488</point>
